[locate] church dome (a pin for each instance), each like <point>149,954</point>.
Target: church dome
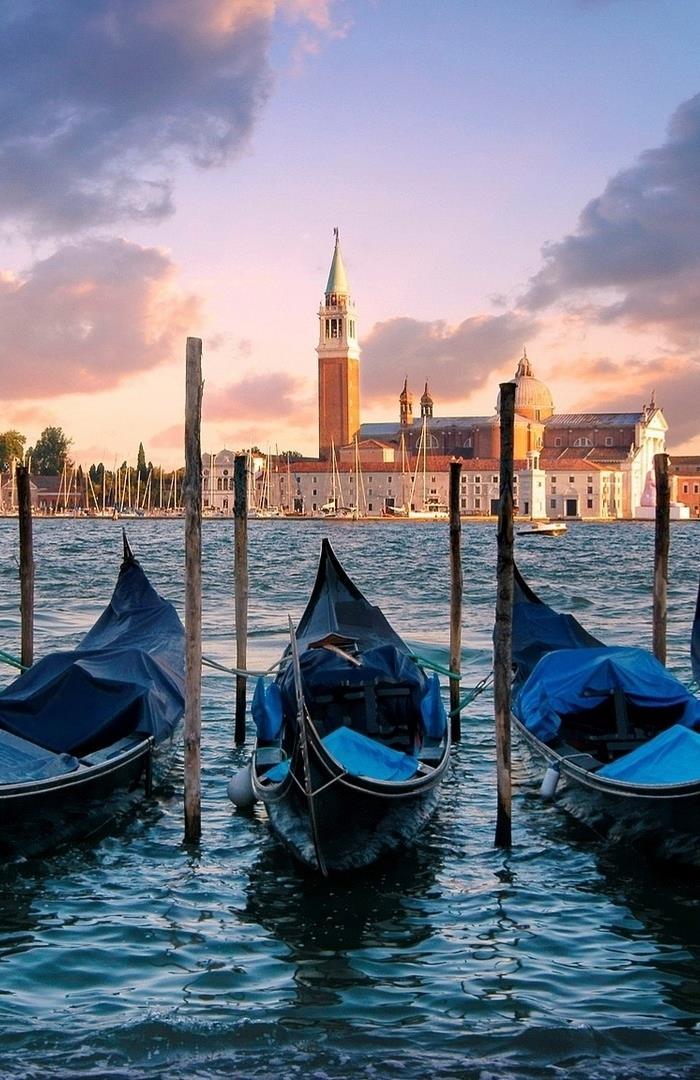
<point>533,399</point>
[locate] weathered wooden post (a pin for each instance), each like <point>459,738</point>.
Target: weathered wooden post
<point>240,525</point>
<point>192,497</point>
<point>503,634</point>
<point>456,586</point>
<point>26,563</point>
<point>661,547</point>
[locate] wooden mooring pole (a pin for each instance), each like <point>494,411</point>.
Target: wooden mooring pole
<point>26,563</point>
<point>240,526</point>
<point>503,634</point>
<point>456,589</point>
<point>192,499</point>
<point>661,548</point>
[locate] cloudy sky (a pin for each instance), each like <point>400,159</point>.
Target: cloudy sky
<point>503,173</point>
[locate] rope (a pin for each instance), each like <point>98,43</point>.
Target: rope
<point>11,660</point>
<point>208,662</point>
<point>434,666</point>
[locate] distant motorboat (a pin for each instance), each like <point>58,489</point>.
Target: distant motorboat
<point>542,528</point>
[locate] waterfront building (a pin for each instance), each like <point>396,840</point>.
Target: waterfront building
<point>596,464</point>
<point>567,466</point>
<point>684,471</point>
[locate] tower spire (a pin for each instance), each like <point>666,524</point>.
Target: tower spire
<point>337,278</point>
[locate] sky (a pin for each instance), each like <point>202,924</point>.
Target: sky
<point>503,174</point>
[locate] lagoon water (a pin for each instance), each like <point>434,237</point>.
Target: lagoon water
<point>130,955</point>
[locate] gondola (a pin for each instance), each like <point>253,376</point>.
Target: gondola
<point>81,728</point>
<point>352,736</point>
<point>619,734</point>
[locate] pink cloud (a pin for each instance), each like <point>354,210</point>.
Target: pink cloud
<point>271,396</point>
<point>88,316</point>
<point>169,438</point>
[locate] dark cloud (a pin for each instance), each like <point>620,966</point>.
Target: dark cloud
<point>271,396</point>
<point>87,317</point>
<point>638,242</point>
<point>98,100</point>
<point>455,360</point>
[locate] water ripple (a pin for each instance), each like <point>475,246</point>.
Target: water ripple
<point>134,956</point>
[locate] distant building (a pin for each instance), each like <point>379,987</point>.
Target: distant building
<point>338,361</point>
<point>567,465</point>
<point>685,481</point>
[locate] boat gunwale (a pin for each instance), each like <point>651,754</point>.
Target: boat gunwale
<point>607,785</point>
<point>80,776</point>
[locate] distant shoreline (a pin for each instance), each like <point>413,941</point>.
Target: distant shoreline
<point>374,520</point>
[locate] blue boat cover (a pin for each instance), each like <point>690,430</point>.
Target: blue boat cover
<point>266,710</point>
<point>125,677</point>
<point>673,757</point>
<point>363,756</point>
<point>433,713</point>
<point>575,680</point>
<point>323,671</point>
<point>539,629</point>
<point>360,756</point>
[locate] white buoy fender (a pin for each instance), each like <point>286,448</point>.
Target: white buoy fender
<point>550,781</point>
<point>240,789</point>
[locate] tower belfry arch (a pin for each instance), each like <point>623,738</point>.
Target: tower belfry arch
<point>338,360</point>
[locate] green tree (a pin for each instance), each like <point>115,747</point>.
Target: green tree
<point>51,452</point>
<point>141,467</point>
<point>11,446</point>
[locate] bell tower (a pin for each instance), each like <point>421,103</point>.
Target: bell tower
<point>338,361</point>
<point>405,406</point>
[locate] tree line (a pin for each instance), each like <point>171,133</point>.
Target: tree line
<point>50,455</point>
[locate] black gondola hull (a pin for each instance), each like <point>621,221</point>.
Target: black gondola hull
<point>80,729</point>
<point>358,820</point>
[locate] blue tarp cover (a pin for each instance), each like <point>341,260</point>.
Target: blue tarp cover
<point>567,681</point>
<point>673,757</point>
<point>363,756</point>
<point>323,671</point>
<point>360,756</point>
<point>125,677</point>
<point>433,713</point>
<point>266,710</point>
<point>538,629</point>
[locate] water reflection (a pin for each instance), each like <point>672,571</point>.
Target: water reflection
<point>379,908</point>
<point>666,918</point>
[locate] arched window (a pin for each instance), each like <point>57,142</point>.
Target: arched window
<point>583,441</point>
